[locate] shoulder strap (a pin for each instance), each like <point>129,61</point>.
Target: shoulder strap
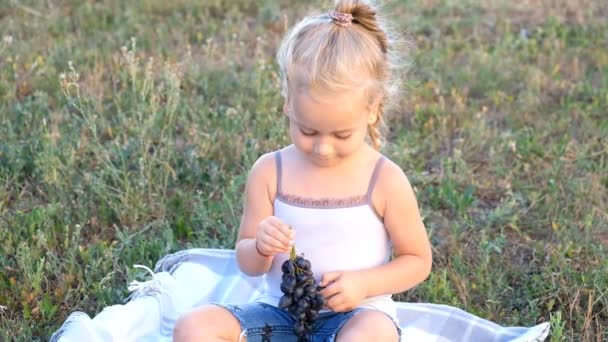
<point>279,171</point>
<point>372,181</point>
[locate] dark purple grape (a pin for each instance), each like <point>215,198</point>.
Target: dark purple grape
<point>303,263</point>
<point>299,310</point>
<point>286,289</point>
<point>285,302</point>
<point>290,280</point>
<point>288,285</point>
<point>303,304</point>
<point>288,267</point>
<point>300,278</point>
<point>310,290</point>
<point>298,292</point>
<point>311,315</point>
<point>318,301</point>
<point>299,329</point>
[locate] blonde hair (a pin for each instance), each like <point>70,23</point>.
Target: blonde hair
<point>341,57</point>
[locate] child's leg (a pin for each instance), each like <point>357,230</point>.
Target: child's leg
<point>252,322</point>
<point>208,323</point>
<point>369,325</point>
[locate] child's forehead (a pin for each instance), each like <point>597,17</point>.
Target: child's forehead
<point>339,111</point>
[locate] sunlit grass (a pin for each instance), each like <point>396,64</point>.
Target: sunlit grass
<point>127,129</point>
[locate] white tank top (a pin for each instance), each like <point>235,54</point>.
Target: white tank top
<point>335,235</point>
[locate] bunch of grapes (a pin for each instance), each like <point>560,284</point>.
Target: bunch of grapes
<point>301,295</point>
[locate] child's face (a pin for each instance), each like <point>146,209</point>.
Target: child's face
<point>328,128</point>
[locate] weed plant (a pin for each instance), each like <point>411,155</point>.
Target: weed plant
<point>127,129</point>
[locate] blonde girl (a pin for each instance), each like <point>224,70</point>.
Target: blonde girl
<point>349,206</point>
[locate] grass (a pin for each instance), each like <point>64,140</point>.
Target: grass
<point>127,129</point>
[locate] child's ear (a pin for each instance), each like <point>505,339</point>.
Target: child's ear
<point>286,112</point>
<point>286,107</point>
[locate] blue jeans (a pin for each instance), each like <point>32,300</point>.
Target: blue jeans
<point>267,323</point>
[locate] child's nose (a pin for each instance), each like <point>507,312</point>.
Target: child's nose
<point>323,148</point>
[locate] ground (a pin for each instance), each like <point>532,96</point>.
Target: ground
<point>127,129</point>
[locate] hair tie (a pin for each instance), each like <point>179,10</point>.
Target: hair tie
<point>341,19</point>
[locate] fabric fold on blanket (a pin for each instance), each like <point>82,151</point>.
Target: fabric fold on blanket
<point>189,278</point>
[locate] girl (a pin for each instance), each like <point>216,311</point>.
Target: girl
<point>348,205</point>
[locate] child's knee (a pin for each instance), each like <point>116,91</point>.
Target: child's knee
<point>205,324</point>
<point>369,325</point>
<point>187,328</point>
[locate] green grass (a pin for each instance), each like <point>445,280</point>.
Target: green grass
<point>127,129</point>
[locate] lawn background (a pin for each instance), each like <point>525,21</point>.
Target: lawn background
<point>127,129</point>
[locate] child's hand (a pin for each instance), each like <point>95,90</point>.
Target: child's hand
<point>274,236</point>
<point>343,291</point>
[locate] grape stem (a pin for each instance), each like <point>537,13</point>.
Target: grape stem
<point>292,254</point>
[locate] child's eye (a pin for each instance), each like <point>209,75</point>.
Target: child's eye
<point>343,137</point>
<point>307,133</point>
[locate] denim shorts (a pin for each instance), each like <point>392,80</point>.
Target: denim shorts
<point>263,322</point>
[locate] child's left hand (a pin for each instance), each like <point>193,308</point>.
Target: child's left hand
<point>344,290</point>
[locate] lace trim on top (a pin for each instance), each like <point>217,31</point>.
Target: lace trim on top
<point>308,202</point>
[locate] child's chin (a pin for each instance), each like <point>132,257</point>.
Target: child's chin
<point>324,162</point>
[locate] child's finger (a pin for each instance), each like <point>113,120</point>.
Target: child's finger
<point>288,231</point>
<point>329,277</point>
<point>284,229</point>
<point>330,291</point>
<point>276,239</point>
<point>269,242</point>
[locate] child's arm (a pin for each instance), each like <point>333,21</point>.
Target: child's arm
<point>395,201</point>
<point>411,246</point>
<point>257,215</point>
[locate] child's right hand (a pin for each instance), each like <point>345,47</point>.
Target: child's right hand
<point>274,237</point>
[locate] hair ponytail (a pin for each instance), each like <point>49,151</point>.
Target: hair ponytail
<point>365,15</point>
<point>375,135</point>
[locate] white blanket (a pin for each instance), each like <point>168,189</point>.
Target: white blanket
<point>192,277</point>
